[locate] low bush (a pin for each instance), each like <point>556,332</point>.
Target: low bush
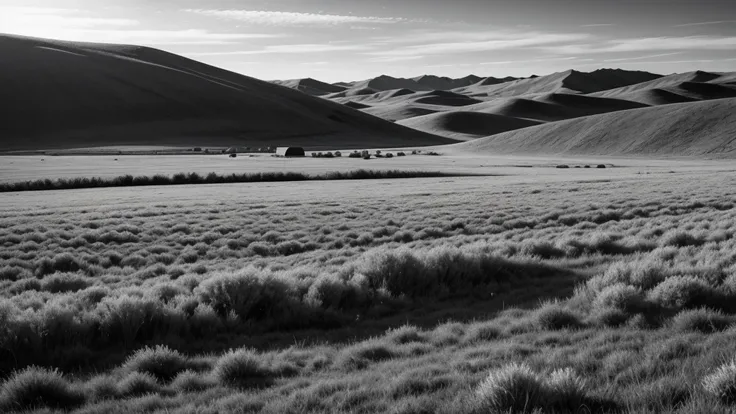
<point>137,384</point>
<point>684,292</point>
<point>242,368</point>
<point>513,388</point>
<point>37,388</point>
<point>565,391</point>
<point>722,383</point>
<point>161,362</point>
<point>563,166</point>
<point>701,320</point>
<point>553,316</point>
<point>190,381</point>
<point>363,354</point>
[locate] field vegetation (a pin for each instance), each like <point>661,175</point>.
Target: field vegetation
<point>609,296</point>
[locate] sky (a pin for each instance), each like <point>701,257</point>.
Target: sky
<point>348,40</point>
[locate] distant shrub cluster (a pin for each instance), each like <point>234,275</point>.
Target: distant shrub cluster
<point>211,178</point>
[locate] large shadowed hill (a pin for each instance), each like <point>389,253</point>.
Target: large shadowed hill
<point>697,129</point>
<point>678,88</point>
<point>60,95</point>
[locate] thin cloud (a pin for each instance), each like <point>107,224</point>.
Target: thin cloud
<point>649,44</point>
<point>288,49</point>
<point>598,25</point>
<point>706,23</point>
<point>391,59</point>
<point>507,41</point>
<point>272,18</point>
<point>509,62</point>
<point>642,57</point>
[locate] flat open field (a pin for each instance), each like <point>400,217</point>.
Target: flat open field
<point>612,289</point>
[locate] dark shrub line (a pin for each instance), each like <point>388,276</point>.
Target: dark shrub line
<point>214,178</point>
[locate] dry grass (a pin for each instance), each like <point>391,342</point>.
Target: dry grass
<point>404,304</point>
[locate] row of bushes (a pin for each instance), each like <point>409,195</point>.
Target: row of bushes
<point>211,178</point>
<point>157,370</point>
<point>253,300</point>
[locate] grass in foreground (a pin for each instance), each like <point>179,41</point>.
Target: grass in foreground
<point>525,299</point>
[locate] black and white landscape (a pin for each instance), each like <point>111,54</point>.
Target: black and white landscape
<point>522,207</point>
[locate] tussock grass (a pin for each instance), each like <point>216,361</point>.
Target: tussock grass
<point>161,362</point>
<point>38,388</point>
<point>722,383</point>
<point>242,368</point>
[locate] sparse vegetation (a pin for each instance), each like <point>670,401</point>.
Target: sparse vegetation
<point>595,299</point>
<point>211,178</point>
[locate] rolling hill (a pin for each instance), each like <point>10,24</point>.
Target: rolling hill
<point>80,95</point>
<point>696,129</point>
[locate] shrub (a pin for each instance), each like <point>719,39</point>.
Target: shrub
<point>389,155</point>
<point>355,154</point>
<point>563,166</point>
<point>565,390</point>
<point>684,292</point>
<point>401,154</point>
<point>553,316</point>
<point>701,320</point>
<point>161,362</point>
<point>102,387</point>
<point>338,154</point>
<point>513,388</point>
<point>64,282</point>
<point>601,166</point>
<point>361,355</point>
<point>36,387</point>
<point>484,332</point>
<point>137,384</point>
<point>405,334</point>
<point>722,383</point>
<point>242,368</point>
<point>190,381</point>
<point>619,296</point>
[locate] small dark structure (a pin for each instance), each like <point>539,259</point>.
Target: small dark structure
<point>290,152</point>
<point>233,155</point>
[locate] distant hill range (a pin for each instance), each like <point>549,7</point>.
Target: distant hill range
<point>62,95</point>
<point>522,115</point>
<point>65,95</point>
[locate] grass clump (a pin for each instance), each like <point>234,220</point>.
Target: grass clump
<point>701,320</point>
<point>161,362</point>
<point>722,383</point>
<point>242,368</point>
<point>680,292</point>
<point>565,390</point>
<point>137,384</point>
<point>190,381</point>
<point>513,388</point>
<point>554,317</point>
<point>36,387</point>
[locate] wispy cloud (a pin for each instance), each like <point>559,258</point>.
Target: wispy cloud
<point>390,59</point>
<point>490,42</point>
<point>288,49</point>
<point>598,25</point>
<point>684,43</point>
<point>706,23</point>
<point>84,25</point>
<point>629,59</point>
<point>510,62</point>
<point>272,18</point>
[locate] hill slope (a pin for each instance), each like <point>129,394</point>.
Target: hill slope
<point>465,125</point>
<point>689,129</point>
<point>75,95</point>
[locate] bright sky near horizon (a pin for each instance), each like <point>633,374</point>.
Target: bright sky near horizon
<point>345,40</point>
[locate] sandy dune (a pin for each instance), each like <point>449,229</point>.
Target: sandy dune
<point>72,95</point>
<point>463,125</point>
<point>699,129</point>
<point>684,87</point>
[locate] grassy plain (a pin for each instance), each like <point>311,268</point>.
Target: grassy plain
<point>573,290</point>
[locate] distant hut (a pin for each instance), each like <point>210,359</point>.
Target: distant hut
<point>290,152</point>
